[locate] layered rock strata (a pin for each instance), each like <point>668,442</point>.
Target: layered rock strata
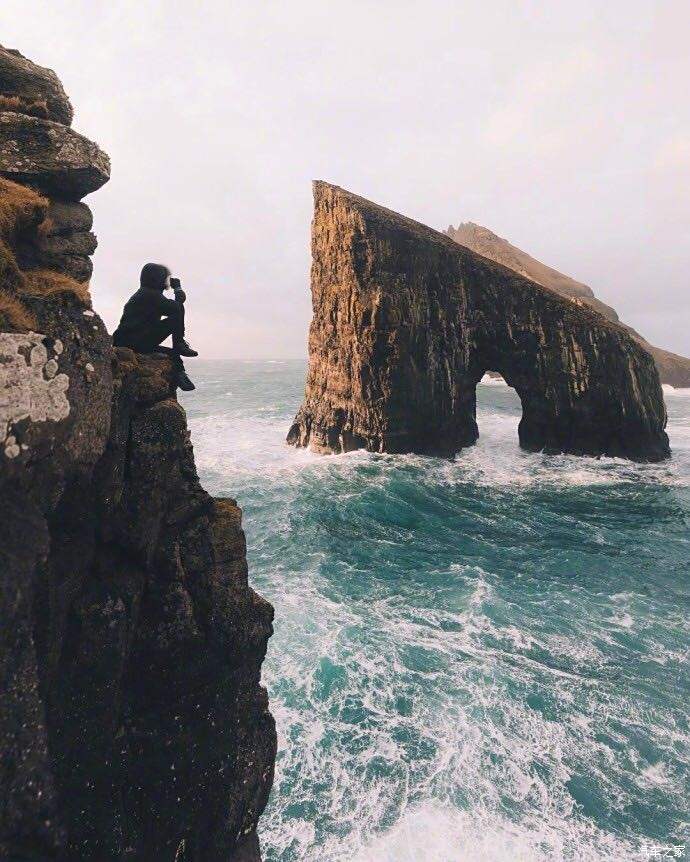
<point>673,369</point>
<point>133,722</point>
<point>406,322</point>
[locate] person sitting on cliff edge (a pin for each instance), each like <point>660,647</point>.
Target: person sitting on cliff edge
<point>149,318</point>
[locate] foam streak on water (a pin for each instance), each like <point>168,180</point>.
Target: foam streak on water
<point>478,659</point>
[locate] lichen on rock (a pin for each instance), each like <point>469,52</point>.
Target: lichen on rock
<point>50,157</point>
<point>31,387</point>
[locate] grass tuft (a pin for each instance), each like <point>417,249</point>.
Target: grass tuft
<point>14,315</point>
<point>45,282</point>
<point>32,107</point>
<point>23,211</point>
<point>20,208</point>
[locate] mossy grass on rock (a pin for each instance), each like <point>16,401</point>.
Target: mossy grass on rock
<point>20,209</point>
<point>406,322</point>
<point>46,283</point>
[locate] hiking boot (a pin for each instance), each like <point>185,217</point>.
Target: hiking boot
<point>183,382</point>
<point>184,349</point>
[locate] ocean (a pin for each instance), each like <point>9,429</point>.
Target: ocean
<point>478,659</point>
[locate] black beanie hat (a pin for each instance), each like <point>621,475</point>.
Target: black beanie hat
<point>153,276</point>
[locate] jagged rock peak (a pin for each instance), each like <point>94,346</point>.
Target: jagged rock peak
<point>406,321</point>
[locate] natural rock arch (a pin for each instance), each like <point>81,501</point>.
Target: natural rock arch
<point>406,322</point>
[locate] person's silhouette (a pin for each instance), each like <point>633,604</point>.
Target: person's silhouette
<point>149,318</point>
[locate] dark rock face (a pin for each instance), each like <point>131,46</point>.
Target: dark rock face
<point>673,369</point>
<point>406,322</point>
<point>133,725</point>
<point>66,218</point>
<point>68,253</point>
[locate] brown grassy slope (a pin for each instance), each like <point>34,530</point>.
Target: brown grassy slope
<point>14,315</point>
<point>20,209</point>
<point>45,282</point>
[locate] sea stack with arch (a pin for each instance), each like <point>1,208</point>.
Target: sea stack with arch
<point>406,322</point>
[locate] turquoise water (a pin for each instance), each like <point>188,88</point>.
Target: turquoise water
<point>479,659</point>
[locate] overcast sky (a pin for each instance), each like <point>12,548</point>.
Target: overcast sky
<point>562,126</point>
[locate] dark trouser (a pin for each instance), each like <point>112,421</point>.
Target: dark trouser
<point>149,341</point>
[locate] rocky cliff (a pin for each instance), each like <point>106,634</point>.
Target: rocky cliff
<point>673,369</point>
<point>133,723</point>
<point>406,322</point>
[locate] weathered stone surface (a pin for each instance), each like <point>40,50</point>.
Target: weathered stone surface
<point>50,157</point>
<point>68,253</point>
<point>55,424</point>
<point>406,322</point>
<point>21,78</point>
<point>65,218</point>
<point>673,369</point>
<point>133,723</point>
<point>136,643</point>
<point>78,243</point>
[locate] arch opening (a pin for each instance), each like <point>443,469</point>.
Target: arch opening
<point>498,411</point>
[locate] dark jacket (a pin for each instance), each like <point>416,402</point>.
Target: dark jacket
<point>142,314</point>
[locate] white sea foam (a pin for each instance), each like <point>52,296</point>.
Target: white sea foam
<point>243,445</point>
<point>254,440</point>
<point>485,751</point>
<point>432,833</point>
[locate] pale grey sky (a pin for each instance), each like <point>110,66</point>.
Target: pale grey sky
<point>562,126</point>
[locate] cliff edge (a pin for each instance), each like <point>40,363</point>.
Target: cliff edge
<point>133,725</point>
<point>406,322</point>
<point>673,369</point>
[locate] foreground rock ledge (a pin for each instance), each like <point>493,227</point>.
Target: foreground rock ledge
<point>406,322</point>
<point>133,723</point>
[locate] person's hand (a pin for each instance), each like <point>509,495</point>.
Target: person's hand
<point>176,285</point>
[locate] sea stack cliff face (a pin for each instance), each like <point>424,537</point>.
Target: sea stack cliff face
<point>406,322</point>
<point>133,722</point>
